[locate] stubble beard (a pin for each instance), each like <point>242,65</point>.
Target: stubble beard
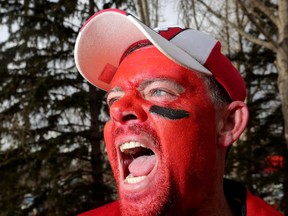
<point>160,202</point>
<point>156,207</point>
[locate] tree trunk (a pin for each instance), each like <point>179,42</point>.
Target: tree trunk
<point>282,61</point>
<point>95,138</point>
<point>282,65</point>
<point>142,8</point>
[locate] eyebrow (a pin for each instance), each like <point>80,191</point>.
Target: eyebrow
<point>115,89</point>
<point>146,83</point>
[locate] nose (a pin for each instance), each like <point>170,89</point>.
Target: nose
<point>128,109</point>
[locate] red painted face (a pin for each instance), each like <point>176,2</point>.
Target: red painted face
<point>161,139</point>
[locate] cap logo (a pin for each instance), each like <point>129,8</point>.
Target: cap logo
<point>107,73</point>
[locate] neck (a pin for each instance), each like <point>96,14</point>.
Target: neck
<point>214,207</point>
<point>216,203</point>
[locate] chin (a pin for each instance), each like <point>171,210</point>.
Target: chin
<point>148,207</point>
<point>152,202</point>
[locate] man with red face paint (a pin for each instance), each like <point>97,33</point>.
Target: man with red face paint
<point>176,106</point>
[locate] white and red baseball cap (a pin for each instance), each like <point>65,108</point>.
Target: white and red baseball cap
<point>107,35</point>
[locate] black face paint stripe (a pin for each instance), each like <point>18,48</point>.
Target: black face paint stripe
<point>169,113</point>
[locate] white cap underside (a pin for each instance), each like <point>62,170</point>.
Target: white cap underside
<point>99,43</point>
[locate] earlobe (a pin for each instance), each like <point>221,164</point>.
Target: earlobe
<point>234,122</point>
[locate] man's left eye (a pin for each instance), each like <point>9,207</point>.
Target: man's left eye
<point>160,93</point>
<point>161,90</point>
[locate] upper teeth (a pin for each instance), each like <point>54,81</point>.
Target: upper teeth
<point>130,145</point>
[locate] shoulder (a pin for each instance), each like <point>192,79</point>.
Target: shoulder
<point>108,209</point>
<point>257,206</point>
<point>244,202</point>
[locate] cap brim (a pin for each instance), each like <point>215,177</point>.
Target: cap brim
<point>106,36</point>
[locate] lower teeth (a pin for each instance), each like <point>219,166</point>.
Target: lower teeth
<point>130,179</point>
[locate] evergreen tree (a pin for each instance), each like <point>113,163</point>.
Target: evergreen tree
<point>53,159</point>
<point>51,128</point>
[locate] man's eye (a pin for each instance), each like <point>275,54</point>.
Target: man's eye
<point>113,96</point>
<point>110,101</point>
<point>159,92</point>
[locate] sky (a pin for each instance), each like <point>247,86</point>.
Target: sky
<point>168,12</point>
<point>3,33</point>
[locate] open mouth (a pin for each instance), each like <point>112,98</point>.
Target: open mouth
<point>137,161</point>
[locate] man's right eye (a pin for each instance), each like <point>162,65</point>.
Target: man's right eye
<point>114,96</point>
<point>110,101</point>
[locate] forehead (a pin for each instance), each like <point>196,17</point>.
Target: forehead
<point>148,64</point>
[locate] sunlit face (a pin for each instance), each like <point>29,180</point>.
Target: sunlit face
<point>161,139</point>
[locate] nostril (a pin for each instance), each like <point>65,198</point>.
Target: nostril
<point>129,117</point>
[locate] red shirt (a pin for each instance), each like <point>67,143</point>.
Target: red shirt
<point>240,198</point>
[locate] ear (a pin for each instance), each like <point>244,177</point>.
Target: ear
<point>233,123</point>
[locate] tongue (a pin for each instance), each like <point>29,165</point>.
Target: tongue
<point>142,165</point>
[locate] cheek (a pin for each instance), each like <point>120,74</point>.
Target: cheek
<point>108,136</point>
<point>111,151</point>
<point>191,160</point>
<point>189,148</point>
<point>186,141</point>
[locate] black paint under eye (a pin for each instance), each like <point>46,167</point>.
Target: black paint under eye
<point>169,113</point>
